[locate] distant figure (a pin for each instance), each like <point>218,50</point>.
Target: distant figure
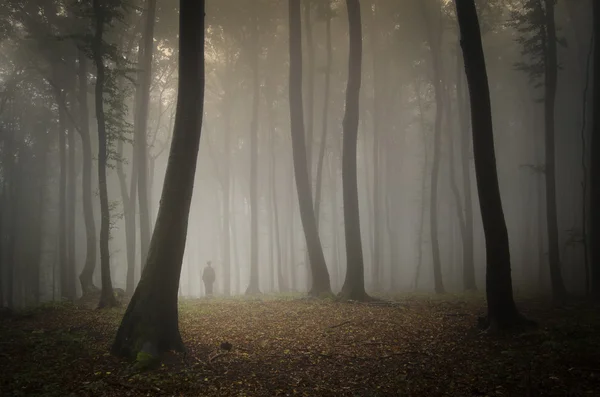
<point>208,276</point>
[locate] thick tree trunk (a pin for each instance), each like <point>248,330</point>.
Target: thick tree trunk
<point>551,74</point>
<point>354,283</point>
<point>87,274</point>
<point>107,298</point>
<point>253,285</point>
<point>320,276</point>
<point>502,311</point>
<point>141,147</point>
<point>595,163</point>
<point>469,283</point>
<point>150,323</point>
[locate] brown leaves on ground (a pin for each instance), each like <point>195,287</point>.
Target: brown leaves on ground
<point>270,347</point>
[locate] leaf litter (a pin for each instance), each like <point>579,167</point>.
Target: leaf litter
<point>302,347</point>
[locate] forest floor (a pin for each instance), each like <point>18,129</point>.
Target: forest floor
<point>420,346</point>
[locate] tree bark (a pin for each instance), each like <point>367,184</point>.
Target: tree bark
<point>141,146</point>
<point>502,311</point>
<point>354,283</point>
<point>150,323</point>
<point>551,74</point>
<point>595,163</point>
<point>320,276</point>
<point>253,285</point>
<point>107,298</point>
<point>87,274</point>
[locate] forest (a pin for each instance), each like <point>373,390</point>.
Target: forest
<point>299,197</point>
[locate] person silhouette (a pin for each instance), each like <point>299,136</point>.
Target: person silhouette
<point>208,276</point>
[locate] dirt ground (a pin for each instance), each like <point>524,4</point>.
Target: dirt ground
<point>418,346</point>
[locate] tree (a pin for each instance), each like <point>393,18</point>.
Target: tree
<point>86,276</point>
<point>595,162</point>
<point>320,276</point>
<point>434,37</point>
<point>502,311</point>
<point>253,286</point>
<point>354,283</point>
<point>151,323</point>
<point>537,28</point>
<point>107,298</point>
<point>141,149</point>
<point>469,283</point>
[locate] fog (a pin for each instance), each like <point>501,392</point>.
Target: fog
<point>413,120</point>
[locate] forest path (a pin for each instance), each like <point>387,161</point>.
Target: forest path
<point>424,346</point>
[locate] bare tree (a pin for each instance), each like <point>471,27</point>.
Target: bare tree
<point>151,322</point>
<point>502,311</point>
<point>354,283</point>
<point>320,276</point>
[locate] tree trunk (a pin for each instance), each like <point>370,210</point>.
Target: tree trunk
<point>87,274</point>
<point>551,75</point>
<point>354,283</point>
<point>460,215</point>
<point>325,117</point>
<point>310,98</point>
<point>141,147</point>
<point>595,163</point>
<point>423,191</point>
<point>434,44</point>
<point>71,206</point>
<point>320,276</point>
<point>129,206</point>
<point>253,285</point>
<point>65,286</point>
<point>377,246</point>
<point>107,298</point>
<point>502,311</point>
<point>469,283</point>
<point>150,324</point>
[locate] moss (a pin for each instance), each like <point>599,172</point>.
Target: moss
<point>145,361</point>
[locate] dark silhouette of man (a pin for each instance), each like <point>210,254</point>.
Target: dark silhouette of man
<point>208,276</point>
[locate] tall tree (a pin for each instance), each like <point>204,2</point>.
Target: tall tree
<point>327,14</point>
<point>502,311</point>
<point>469,283</point>
<point>253,286</point>
<point>141,147</point>
<point>535,23</point>
<point>354,283</point>
<point>107,298</point>
<point>151,322</point>
<point>320,276</point>
<point>86,276</point>
<point>550,83</point>
<point>434,38</point>
<point>595,162</point>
